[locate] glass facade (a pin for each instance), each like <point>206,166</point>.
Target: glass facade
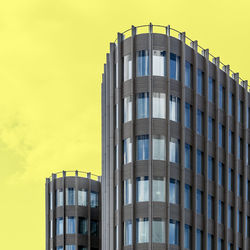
<point>159,63</point>
<point>142,65</point>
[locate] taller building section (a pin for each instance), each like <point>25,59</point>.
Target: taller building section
<point>175,125</point>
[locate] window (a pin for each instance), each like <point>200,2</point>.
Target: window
<point>188,156</point>
<point>70,247</point>
<point>127,109</point>
<point>230,179</point>
<point>229,246</point>
<point>240,148</point>
<point>127,67</point>
<point>199,239</point>
<point>142,105</point>
<point>199,122</point>
<point>174,227</point>
<point>239,222</point>
<point>188,197</point>
<point>211,89</point>
<point>142,192</point>
<point>159,147</point>
<point>221,212</point>
<point>221,174</point>
<point>210,207</point>
<point>210,242</point>
<point>159,105</point>
<point>230,217</point>
<point>230,142</point>
<point>240,185</point>
<point>127,191</point>
<point>188,237</point>
<point>220,244</point>
<point>174,150</point>
<point>188,74</point>
<point>59,197</point>
<point>127,151</point>
<point>82,226</point>
<point>210,168</point>
<point>158,230</point>
<point>200,82</point>
<point>174,67</point>
<point>231,103</point>
<point>94,228</point>
<point>70,196</point>
<point>188,115</point>
<point>174,191</point>
<point>59,226</point>
<point>70,225</point>
<point>82,197</point>
<point>221,136</point>
<point>59,248</point>
<point>221,97</point>
<point>127,233</point>
<point>199,162</point>
<point>142,230</point>
<point>158,189</point>
<point>240,111</point>
<point>159,63</point>
<point>142,147</point>
<point>93,199</point>
<point>199,201</point>
<point>210,128</point>
<point>174,108</point>
<point>142,68</point>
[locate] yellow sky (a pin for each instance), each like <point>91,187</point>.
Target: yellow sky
<point>51,60</point>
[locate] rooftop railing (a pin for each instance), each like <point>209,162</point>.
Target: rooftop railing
<point>167,30</point>
<point>75,173</point>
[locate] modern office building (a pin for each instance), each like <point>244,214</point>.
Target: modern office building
<point>175,141</point>
<point>73,211</point>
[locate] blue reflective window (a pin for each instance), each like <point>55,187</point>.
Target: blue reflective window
<point>188,156</point>
<point>240,111</point>
<point>221,212</point>
<point>174,232</point>
<point>174,191</point>
<point>188,237</point>
<point>231,103</point>
<point>199,122</point>
<point>188,197</point>
<point>127,151</point>
<point>248,226</point>
<point>221,135</point>
<point>230,142</point>
<point>211,89</point>
<point>142,105</point>
<point>210,168</point>
<point>210,207</point>
<point>199,162</point>
<point>199,239</point>
<point>59,248</point>
<point>221,173</point>
<point>230,179</point>
<point>94,228</point>
<point>142,63</point>
<point>230,217</point>
<point>230,246</point>
<point>188,74</point>
<point>200,82</point>
<point>142,230</point>
<point>239,222</point>
<point>210,242</point>
<point>174,67</point>
<point>174,149</point>
<point>210,128</point>
<point>188,115</point>
<point>142,147</point>
<point>142,189</point>
<point>199,201</point>
<point>70,247</point>
<point>220,244</point>
<point>127,233</point>
<point>59,226</point>
<point>70,225</point>
<point>240,185</point>
<point>221,97</point>
<point>174,108</point>
<point>248,190</point>
<point>240,148</point>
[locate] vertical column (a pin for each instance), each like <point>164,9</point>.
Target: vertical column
<point>216,61</point>
<point>236,141</point>
<point>150,171</point>
<point>119,139</point>
<point>47,215</point>
<point>206,112</point>
<point>182,37</point>
<point>245,148</point>
<point>167,136</point>
<point>64,209</point>
<point>226,194</point>
<point>89,211</point>
<point>76,209</point>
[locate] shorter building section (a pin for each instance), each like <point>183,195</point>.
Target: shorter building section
<point>73,211</point>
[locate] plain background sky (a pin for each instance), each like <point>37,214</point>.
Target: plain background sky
<point>51,62</point>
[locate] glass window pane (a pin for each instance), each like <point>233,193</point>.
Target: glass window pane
<point>82,197</point>
<point>174,191</point>
<point>199,162</point>
<point>199,122</point>
<point>70,225</point>
<point>210,242</point>
<point>70,196</point>
<point>200,82</point>
<point>127,233</point>
<point>94,228</point>
<point>159,147</point>
<point>158,231</point>
<point>59,226</point>
<point>188,237</point>
<point>211,89</point>
<point>159,63</point>
<point>188,156</point>
<point>127,191</point>
<point>174,150</point>
<point>173,232</point>
<point>210,128</point>
<point>59,197</point>
<point>210,168</point>
<point>127,64</point>
<point>93,199</point>
<point>188,74</point>
<point>142,192</point>
<point>158,189</point>
<point>127,109</point>
<point>188,115</point>
<point>174,109</point>
<point>142,110</point>
<point>142,230</point>
<point>127,151</point>
<point>174,67</point>
<point>142,147</point>
<point>199,240</point>
<point>188,197</point>
<point>142,63</point>
<point>82,226</point>
<point>159,105</point>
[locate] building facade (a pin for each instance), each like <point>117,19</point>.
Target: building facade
<point>175,142</point>
<point>73,211</point>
